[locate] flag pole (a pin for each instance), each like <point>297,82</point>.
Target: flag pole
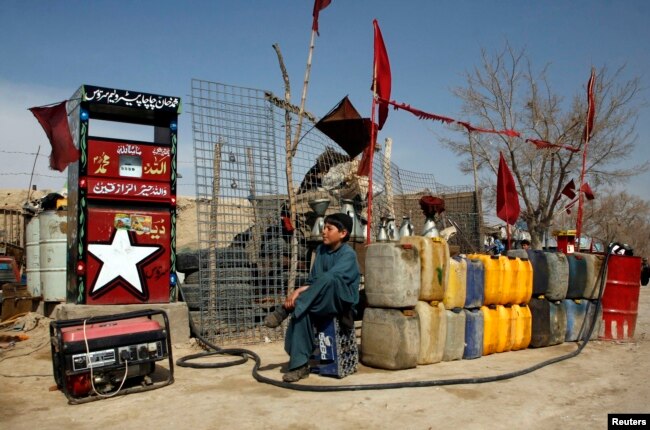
<point>587,134</point>
<point>373,136</point>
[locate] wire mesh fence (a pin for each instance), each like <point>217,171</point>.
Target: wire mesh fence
<point>243,220</point>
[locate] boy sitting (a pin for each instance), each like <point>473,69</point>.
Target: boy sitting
<point>332,290</point>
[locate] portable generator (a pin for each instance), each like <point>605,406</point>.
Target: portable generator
<point>94,358</point>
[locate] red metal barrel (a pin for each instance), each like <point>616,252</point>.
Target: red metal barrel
<point>621,297</point>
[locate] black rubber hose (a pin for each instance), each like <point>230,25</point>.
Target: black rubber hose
<point>183,361</point>
<point>393,385</point>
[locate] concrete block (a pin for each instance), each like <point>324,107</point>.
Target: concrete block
<point>177,313</point>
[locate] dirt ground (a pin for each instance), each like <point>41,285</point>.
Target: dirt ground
<point>575,393</point>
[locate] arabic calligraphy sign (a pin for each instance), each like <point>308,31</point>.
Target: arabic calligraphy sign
<point>111,188</point>
<point>132,99</point>
<point>116,159</point>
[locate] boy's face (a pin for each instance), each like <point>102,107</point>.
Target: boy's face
<point>332,236</point>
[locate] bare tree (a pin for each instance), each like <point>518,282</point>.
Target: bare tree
<point>620,217</point>
<point>505,92</point>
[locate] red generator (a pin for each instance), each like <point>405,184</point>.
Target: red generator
<point>105,356</point>
<point>122,198</point>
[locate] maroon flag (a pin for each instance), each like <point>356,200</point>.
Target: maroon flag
<point>318,6</point>
<point>507,197</point>
<point>569,190</point>
<point>54,120</point>
<point>591,109</point>
<point>381,75</point>
<point>589,194</point>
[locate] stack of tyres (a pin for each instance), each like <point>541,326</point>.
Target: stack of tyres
<point>390,332</point>
<point>433,331</point>
<point>473,334</point>
<point>455,338</point>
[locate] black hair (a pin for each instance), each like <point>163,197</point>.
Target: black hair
<point>341,222</point>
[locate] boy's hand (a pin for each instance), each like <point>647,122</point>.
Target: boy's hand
<point>290,301</point>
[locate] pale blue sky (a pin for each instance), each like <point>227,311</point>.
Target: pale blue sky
<point>50,48</point>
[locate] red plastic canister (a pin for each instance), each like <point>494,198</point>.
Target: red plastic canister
<point>621,297</point>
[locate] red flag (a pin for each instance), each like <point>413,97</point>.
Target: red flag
<point>381,75</point>
<point>591,109</point>
<point>542,144</point>
<point>585,188</point>
<point>54,120</point>
<point>507,197</point>
<point>420,114</point>
<point>506,132</point>
<point>318,6</point>
<point>569,190</point>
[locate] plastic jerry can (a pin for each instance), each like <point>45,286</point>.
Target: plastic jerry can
<point>390,338</point>
<point>490,330</point>
<point>473,334</point>
<point>424,246</point>
<point>440,263</point>
<point>514,291</point>
<point>593,275</point>
<point>475,284</point>
<point>505,329</point>
<point>577,276</point>
<point>455,339</point>
<point>558,276</point>
<point>540,271</point>
<point>517,253</point>
<point>576,311</point>
<point>522,321</point>
<point>433,332</point>
<point>456,291</point>
<point>540,310</point>
<point>558,323</point>
<point>590,319</point>
<point>492,277</point>
<point>392,278</point>
<point>506,292</point>
<point>526,281</point>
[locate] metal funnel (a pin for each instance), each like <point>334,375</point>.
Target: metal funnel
<point>319,206</point>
